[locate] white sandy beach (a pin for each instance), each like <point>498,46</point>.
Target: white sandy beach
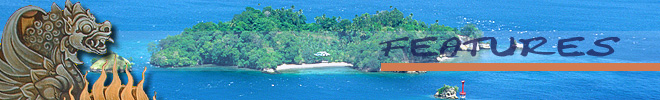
<point>316,65</point>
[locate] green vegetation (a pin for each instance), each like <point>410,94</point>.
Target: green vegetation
<point>270,37</point>
<point>447,86</point>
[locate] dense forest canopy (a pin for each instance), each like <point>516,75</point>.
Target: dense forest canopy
<point>270,37</point>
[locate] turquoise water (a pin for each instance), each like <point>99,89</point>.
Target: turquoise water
<point>635,22</point>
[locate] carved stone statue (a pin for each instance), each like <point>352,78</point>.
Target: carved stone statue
<point>38,55</point>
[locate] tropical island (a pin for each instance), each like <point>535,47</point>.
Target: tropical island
<point>267,38</point>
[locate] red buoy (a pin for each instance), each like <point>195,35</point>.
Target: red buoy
<point>462,88</point>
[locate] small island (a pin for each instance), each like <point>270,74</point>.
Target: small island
<point>268,38</point>
<point>446,92</point>
<point>110,58</point>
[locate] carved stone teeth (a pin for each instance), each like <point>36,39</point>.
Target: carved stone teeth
<point>111,40</point>
<point>95,44</point>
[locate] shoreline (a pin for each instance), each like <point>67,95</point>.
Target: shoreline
<point>460,56</point>
<point>314,65</point>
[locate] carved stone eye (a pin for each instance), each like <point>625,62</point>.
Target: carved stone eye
<point>86,28</point>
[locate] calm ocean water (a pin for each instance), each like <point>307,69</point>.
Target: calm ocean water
<point>637,23</point>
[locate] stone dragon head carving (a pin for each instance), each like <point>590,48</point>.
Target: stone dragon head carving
<point>38,56</point>
<point>39,51</point>
<point>69,30</point>
<point>84,33</point>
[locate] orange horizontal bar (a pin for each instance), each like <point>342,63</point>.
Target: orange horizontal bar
<point>520,66</point>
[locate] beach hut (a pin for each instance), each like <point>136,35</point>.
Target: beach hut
<point>322,53</point>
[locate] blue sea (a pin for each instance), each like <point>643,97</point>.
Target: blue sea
<point>636,22</point>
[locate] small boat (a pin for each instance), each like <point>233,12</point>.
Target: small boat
<point>442,58</point>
